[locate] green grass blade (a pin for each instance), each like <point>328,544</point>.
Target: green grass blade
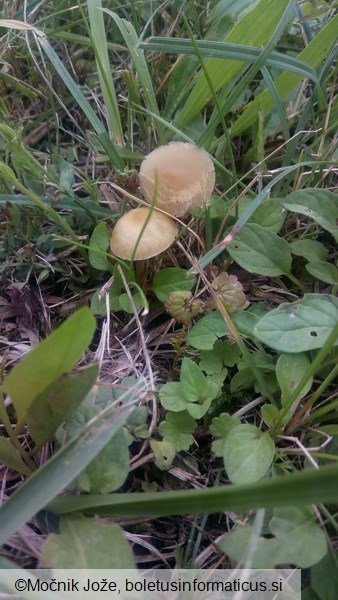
<point>213,49</point>
<point>59,471</point>
<point>95,122</point>
<point>75,205</point>
<point>99,41</point>
<point>313,55</point>
<point>244,81</point>
<point>129,34</point>
<point>254,29</point>
<point>311,486</point>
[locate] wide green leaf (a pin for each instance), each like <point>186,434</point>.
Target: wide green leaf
<point>98,246</point>
<point>177,429</point>
<point>299,326</point>
<point>164,452</point>
<point>193,383</point>
<point>297,540</point>
<point>10,457</point>
<point>248,454</point>
<point>50,359</point>
<point>220,428</point>
<point>323,271</point>
<point>212,326</point>
<point>290,369</point>
<point>109,469</point>
<point>311,250</point>
<point>57,402</point>
<point>261,251</point>
<point>87,543</point>
<point>172,280</point>
<point>319,205</point>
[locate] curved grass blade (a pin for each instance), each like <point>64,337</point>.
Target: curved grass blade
<point>213,49</point>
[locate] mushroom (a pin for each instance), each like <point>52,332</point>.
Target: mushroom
<point>180,175</point>
<point>159,233</point>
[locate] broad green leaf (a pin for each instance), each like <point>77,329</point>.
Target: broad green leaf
<point>10,457</point>
<point>206,331</point>
<point>99,303</point>
<point>219,428</point>
<point>109,469</point>
<point>270,215</point>
<point>323,271</point>
<point>312,250</point>
<point>52,357</point>
<point>171,397</point>
<point>290,369</point>
<point>297,540</point>
<point>57,402</point>
<point>299,326</point>
<point>212,326</point>
<point>319,205</point>
<point>171,280</point>
<point>248,454</point>
<point>311,486</point>
<point>254,29</point>
<point>59,471</point>
<point>270,414</point>
<point>177,429</point>
<point>314,53</point>
<point>87,543</point>
<point>193,383</point>
<point>223,353</point>
<point>210,362</point>
<point>126,305</point>
<point>324,576</point>
<point>261,251</point>
<point>164,453</point>
<point>99,243</point>
<point>197,411</point>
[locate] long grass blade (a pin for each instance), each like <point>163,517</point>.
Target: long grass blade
<point>213,49</point>
<point>308,487</point>
<point>129,34</point>
<point>99,41</point>
<point>95,122</point>
<point>254,29</point>
<point>313,55</point>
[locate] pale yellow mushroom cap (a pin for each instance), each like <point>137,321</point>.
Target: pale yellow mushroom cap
<point>158,235</point>
<point>182,176</point>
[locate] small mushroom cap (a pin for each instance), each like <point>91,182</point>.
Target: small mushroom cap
<point>158,235</point>
<point>180,174</point>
